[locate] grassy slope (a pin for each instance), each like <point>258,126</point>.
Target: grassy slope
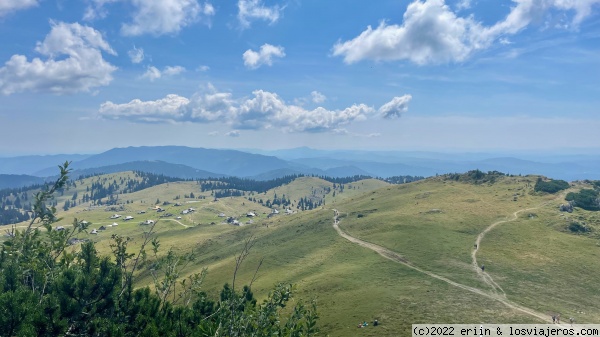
<point>537,264</point>
<point>529,258</point>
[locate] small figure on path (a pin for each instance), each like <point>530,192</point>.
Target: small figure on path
<point>571,319</point>
<point>558,319</point>
<point>482,267</point>
<point>553,319</point>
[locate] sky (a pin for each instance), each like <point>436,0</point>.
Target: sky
<point>84,76</point>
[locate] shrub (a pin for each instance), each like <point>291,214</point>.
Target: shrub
<point>586,199</point>
<point>551,186</point>
<point>576,227</point>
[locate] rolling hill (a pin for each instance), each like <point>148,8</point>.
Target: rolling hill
<point>426,230</point>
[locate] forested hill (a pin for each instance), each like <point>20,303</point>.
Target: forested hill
<point>110,190</point>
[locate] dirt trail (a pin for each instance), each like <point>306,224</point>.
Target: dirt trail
<point>179,222</point>
<point>487,278</point>
<point>393,256</point>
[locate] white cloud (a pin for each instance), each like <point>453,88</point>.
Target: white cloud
<point>265,110</point>
<point>203,68</point>
<point>253,60</point>
<point>158,17</point>
<point>463,4</point>
<point>168,109</point>
<point>8,6</point>
<point>213,133</point>
<point>136,55</point>
<point>233,133</point>
<point>250,10</point>
<point>431,33</point>
<point>317,97</point>
<point>171,71</point>
<point>396,107</point>
<point>211,106</point>
<point>96,10</point>
<point>153,73</point>
<point>74,63</point>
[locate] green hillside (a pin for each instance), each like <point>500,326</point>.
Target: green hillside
<point>532,260</point>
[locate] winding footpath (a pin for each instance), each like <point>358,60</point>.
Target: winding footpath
<point>487,278</point>
<point>393,256</point>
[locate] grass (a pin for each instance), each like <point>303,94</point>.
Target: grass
<point>433,223</point>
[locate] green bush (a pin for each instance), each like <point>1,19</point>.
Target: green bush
<point>576,227</point>
<point>586,199</point>
<point>551,186</point>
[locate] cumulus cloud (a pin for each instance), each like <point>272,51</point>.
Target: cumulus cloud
<point>396,107</point>
<point>136,55</point>
<point>153,73</point>
<point>159,17</point>
<point>156,17</point>
<point>264,110</point>
<point>253,59</point>
<point>73,63</point>
<point>251,10</point>
<point>8,6</point>
<point>203,68</point>
<point>317,97</point>
<point>233,133</point>
<point>168,109</point>
<point>431,33</point>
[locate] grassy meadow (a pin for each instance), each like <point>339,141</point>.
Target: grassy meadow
<point>432,223</point>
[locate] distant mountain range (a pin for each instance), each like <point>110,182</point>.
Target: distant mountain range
<point>18,180</point>
<point>195,163</point>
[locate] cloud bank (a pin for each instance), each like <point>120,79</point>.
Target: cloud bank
<point>264,110</point>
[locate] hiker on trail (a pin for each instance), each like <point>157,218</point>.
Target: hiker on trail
<point>553,319</point>
<point>475,246</point>
<point>571,319</point>
<point>376,323</point>
<point>558,319</point>
<point>482,268</point>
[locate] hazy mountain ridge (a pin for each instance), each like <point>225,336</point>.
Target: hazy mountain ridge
<point>191,163</point>
<point>225,162</point>
<point>18,180</point>
<point>31,164</point>
<point>156,167</point>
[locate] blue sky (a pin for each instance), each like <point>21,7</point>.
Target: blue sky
<point>478,75</point>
